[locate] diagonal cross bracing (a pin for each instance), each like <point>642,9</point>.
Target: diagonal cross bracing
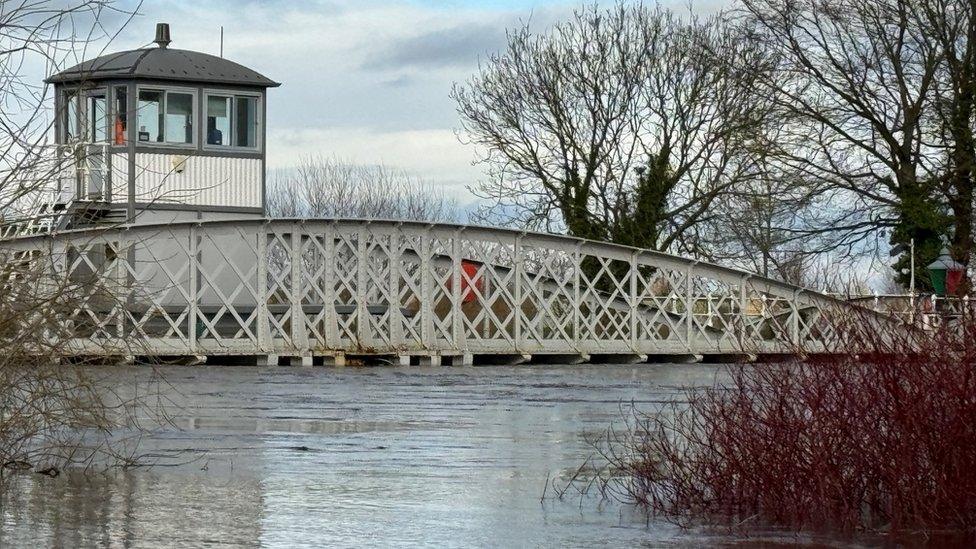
<point>330,285</point>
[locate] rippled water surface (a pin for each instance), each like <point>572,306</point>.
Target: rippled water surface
<point>292,457</point>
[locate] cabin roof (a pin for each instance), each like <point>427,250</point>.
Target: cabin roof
<point>163,64</point>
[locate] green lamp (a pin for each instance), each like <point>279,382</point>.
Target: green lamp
<point>946,273</point>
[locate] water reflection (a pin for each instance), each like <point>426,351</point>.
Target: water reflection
<point>310,457</point>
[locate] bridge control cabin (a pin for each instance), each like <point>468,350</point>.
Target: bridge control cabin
<point>162,135</point>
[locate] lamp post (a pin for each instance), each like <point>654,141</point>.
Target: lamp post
<point>946,274</point>
<point>898,250</point>
<point>911,288</point>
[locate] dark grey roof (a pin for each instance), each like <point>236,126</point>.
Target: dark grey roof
<point>164,64</point>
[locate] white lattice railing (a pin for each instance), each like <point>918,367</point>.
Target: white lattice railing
<point>930,312</point>
<point>310,287</point>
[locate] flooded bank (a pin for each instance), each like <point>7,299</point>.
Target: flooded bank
<point>293,457</point>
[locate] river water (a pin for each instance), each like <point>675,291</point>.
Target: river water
<point>293,457</point>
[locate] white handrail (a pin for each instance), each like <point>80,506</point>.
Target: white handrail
<point>71,167</point>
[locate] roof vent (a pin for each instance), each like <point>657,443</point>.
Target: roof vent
<point>162,34</point>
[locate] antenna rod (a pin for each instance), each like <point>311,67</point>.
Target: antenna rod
<point>221,40</point>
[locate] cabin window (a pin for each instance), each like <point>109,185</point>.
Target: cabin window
<point>85,116</point>
<point>232,120</point>
<point>218,120</point>
<point>121,111</point>
<point>72,120</point>
<point>165,117</point>
<point>179,118</point>
<point>150,111</point>
<point>97,118</point>
<point>247,121</point>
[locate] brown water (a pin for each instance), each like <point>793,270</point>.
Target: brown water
<point>292,457</point>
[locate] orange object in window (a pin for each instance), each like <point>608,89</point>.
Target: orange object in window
<point>468,279</point>
<point>119,131</point>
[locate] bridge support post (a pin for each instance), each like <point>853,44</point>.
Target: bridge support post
<point>337,360</point>
<point>267,360</point>
<point>304,361</point>
<point>430,360</point>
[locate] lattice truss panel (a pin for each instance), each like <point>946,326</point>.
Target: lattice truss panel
<point>285,286</point>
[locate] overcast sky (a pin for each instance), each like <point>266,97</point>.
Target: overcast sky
<point>367,80</point>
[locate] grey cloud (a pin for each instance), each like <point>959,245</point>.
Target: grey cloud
<point>401,81</point>
<point>456,46</point>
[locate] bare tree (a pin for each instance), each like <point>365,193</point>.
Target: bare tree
<point>855,82</point>
<point>752,230</point>
<point>52,413</point>
<point>951,27</point>
<point>328,187</point>
<point>627,124</point>
<point>38,37</point>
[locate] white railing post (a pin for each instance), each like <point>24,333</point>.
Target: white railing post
<point>194,304</point>
<point>426,312</point>
<point>299,332</point>
<point>329,276</point>
<point>577,301</point>
<point>362,288</point>
<point>795,325</point>
<point>517,306</point>
<point>122,288</point>
<point>689,306</point>
<point>456,294</point>
<point>396,316</point>
<point>106,174</point>
<point>633,303</point>
<point>743,305</point>
<point>261,289</point>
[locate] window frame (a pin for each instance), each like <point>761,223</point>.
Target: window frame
<point>88,117</point>
<point>194,116</point>
<point>81,97</point>
<point>115,114</point>
<point>69,124</point>
<point>258,119</point>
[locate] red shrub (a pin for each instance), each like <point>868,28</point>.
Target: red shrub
<point>881,440</point>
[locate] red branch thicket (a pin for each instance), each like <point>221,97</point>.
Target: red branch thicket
<point>882,439</point>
